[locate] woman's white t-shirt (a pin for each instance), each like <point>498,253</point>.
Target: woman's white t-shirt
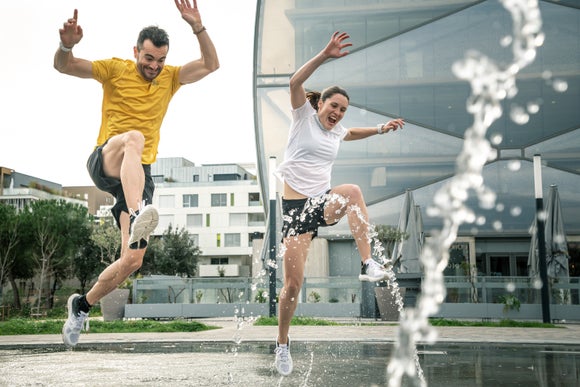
<point>310,152</point>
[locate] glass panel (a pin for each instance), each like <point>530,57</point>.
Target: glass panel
<point>559,152</point>
<point>219,200</point>
<point>238,219</point>
<point>499,266</point>
<point>232,240</point>
<point>194,220</point>
<point>164,222</point>
<point>410,75</point>
<point>400,65</point>
<point>521,266</point>
<point>190,200</point>
<point>166,201</point>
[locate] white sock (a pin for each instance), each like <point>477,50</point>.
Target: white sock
<point>367,261</point>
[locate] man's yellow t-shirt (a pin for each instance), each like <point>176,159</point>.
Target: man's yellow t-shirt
<point>132,103</point>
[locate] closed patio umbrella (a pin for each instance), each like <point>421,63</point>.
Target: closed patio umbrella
<point>557,255</point>
<point>406,253</point>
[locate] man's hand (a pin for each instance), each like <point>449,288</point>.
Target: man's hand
<point>190,14</point>
<point>71,33</point>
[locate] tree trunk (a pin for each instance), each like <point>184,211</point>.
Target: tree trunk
<point>15,292</point>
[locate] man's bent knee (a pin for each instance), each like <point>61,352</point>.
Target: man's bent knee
<point>134,139</point>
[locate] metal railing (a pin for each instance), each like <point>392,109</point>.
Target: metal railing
<point>345,290</point>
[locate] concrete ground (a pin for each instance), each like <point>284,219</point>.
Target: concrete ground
<point>353,355</point>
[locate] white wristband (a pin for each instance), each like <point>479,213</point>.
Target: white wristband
<point>380,128</point>
<point>63,48</point>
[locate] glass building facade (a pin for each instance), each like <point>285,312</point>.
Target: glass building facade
<point>400,65</point>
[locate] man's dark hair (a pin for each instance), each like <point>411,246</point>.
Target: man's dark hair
<point>156,35</point>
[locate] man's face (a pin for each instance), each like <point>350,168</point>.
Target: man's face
<point>150,59</point>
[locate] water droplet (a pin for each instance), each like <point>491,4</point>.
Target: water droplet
<point>514,165</point>
<point>496,139</point>
<point>516,211</point>
<point>560,85</point>
<point>533,107</point>
<point>506,41</point>
<point>519,115</point>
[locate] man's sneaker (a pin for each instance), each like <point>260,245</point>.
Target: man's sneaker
<point>74,324</point>
<point>142,225</point>
<point>372,272</point>
<point>283,359</point>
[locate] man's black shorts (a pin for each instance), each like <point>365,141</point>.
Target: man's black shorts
<point>113,185</point>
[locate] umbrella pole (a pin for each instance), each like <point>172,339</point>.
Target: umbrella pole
<point>540,224</point>
<point>272,240</point>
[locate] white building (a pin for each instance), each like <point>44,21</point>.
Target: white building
<point>219,205</point>
<point>19,190</point>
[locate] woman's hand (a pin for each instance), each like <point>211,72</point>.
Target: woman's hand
<point>334,48</point>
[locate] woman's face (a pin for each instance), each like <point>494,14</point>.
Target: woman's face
<point>331,111</point>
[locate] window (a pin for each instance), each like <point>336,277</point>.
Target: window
<point>194,239</point>
<point>195,178</point>
<point>256,219</point>
<point>218,241</point>
<point>226,177</point>
<point>219,200</point>
<point>220,261</point>
<point>166,201</point>
<point>190,200</point>
<point>194,220</point>
<point>232,240</point>
<point>238,219</point>
<point>164,222</point>
<point>254,235</point>
<point>157,178</point>
<point>232,201</point>
<point>253,199</point>
<point>207,220</point>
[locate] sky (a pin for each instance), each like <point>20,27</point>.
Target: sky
<point>49,121</point>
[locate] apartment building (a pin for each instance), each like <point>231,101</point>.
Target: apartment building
<point>219,205</point>
<point>19,189</point>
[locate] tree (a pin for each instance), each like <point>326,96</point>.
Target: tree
<point>107,238</point>
<point>174,254</point>
<point>87,264</point>
<point>101,249</point>
<point>59,229</point>
<point>389,235</point>
<point>9,239</point>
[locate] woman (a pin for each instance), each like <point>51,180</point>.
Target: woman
<point>309,202</point>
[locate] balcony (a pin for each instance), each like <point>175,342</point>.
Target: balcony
<point>223,271</point>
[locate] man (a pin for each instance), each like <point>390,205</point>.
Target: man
<point>136,96</point>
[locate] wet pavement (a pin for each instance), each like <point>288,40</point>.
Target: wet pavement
<point>354,355</point>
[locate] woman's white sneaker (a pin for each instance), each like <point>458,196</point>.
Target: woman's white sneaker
<point>284,363</point>
<point>372,272</point>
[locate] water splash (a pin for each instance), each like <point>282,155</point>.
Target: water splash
<point>490,84</point>
<point>310,366</point>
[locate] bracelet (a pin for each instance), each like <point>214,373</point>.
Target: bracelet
<point>380,128</point>
<point>63,48</point>
<point>200,31</point>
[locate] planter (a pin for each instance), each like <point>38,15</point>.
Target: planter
<point>113,304</point>
<point>386,301</point>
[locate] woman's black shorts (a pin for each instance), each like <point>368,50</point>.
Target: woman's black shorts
<point>301,216</point>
